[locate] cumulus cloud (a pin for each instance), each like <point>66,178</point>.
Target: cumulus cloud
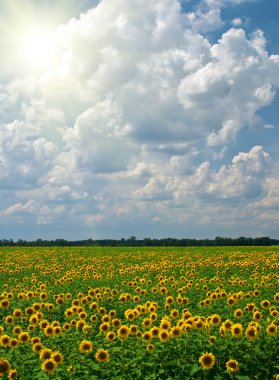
<point>141,110</point>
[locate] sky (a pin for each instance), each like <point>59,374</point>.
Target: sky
<point>146,118</point>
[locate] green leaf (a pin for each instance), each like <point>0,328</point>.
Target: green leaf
<point>195,368</point>
<point>239,377</point>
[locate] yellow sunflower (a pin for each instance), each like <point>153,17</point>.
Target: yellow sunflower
<point>232,365</point>
<point>102,356</point>
<point>236,330</point>
<point>86,346</point>
<point>49,366</point>
<point>123,332</point>
<point>4,366</point>
<point>271,329</point>
<point>207,360</point>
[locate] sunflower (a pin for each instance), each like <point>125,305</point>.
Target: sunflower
<point>66,326</point>
<point>257,316</point>
<point>199,324</point>
<point>123,332</point>
<point>134,329</point>
<point>112,313</point>
<point>207,360</point>
<point>43,324</point>
<point>35,340</point>
<point>155,332</point>
<point>17,313</point>
<point>169,300</point>
<point>49,330</point>
<point>14,342</point>
<point>57,357</point>
<point>163,335</point>
<point>110,336</point>
<point>271,329</point>
<point>231,301</point>
<point>86,346</point>
<point>57,331</point>
<point>5,303</point>
<point>232,365</point>
<point>237,330</point>
<point>68,313</point>
<point>251,332</point>
<point>176,332</point>
<point>45,354</point>
<point>9,320</point>
<point>13,374</point>
<point>174,313</point>
<point>129,314</point>
<point>212,339</point>
<point>116,323</point>
<point>150,347</point>
<point>238,313</point>
<point>4,366</point>
<point>80,324</point>
<point>104,327</point>
<point>102,356</point>
<point>147,336</point>
<point>34,319</point>
<point>215,319</point>
<point>106,318</point>
<point>165,324</point>
<point>17,330</point>
<point>5,340</point>
<point>49,366</point>
<point>227,324</point>
<point>146,322</point>
<point>83,315</point>
<point>265,304</point>
<point>37,347</point>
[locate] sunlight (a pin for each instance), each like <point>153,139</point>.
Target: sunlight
<point>37,48</point>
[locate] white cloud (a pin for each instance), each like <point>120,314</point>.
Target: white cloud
<point>237,22</point>
<point>138,120</point>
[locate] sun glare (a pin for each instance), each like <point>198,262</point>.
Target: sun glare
<point>38,48</point>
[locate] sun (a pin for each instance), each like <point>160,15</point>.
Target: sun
<point>38,48</point>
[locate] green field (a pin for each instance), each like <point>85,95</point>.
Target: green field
<point>139,313</point>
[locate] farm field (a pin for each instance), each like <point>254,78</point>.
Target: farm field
<point>139,313</point>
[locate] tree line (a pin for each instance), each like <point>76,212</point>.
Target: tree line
<point>132,241</point>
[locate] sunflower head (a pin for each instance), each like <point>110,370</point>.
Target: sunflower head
<point>207,360</point>
<point>123,332</point>
<point>86,346</point>
<point>45,354</point>
<point>5,340</point>
<point>271,329</point>
<point>232,365</point>
<point>13,374</point>
<point>147,336</point>
<point>215,320</point>
<point>236,330</point>
<point>57,357</point>
<point>110,336</point>
<point>251,333</point>
<point>4,366</point>
<point>37,347</point>
<point>176,332</point>
<point>102,356</point>
<point>164,336</point>
<point>150,347</point>
<point>49,366</point>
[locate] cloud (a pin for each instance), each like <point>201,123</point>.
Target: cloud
<point>140,121</point>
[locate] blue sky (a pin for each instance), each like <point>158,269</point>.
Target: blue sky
<point>147,118</point>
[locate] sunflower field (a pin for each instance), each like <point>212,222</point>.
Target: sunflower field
<point>139,313</point>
